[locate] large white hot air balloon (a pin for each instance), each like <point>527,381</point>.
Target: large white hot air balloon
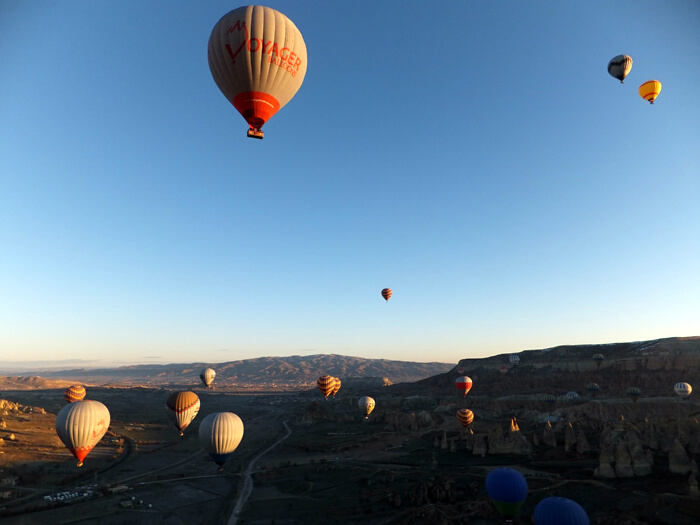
<point>366,404</point>
<point>81,425</point>
<point>257,57</point>
<point>220,434</point>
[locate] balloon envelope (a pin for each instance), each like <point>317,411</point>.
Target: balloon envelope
<point>366,404</point>
<point>650,90</point>
<point>74,393</point>
<point>336,386</point>
<point>81,425</point>
<point>387,293</point>
<point>207,376</point>
<point>326,384</point>
<point>464,384</point>
<point>560,511</point>
<point>683,389</point>
<point>220,434</point>
<point>507,488</point>
<point>465,416</point>
<point>257,57</point>
<point>620,66</point>
<point>514,359</point>
<point>572,395</point>
<point>182,407</point>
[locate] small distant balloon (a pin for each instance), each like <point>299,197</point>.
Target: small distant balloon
<point>504,370</point>
<point>634,393</point>
<point>549,398</point>
<point>598,358</point>
<point>460,370</point>
<point>464,384</point>
<point>683,389</point>
<point>572,395</point>
<point>514,359</point>
<point>366,404</point>
<point>207,376</point>
<point>620,66</point>
<point>650,90</point>
<point>507,489</point>
<point>560,511</point>
<point>387,293</point>
<point>593,387</point>
<point>74,393</point>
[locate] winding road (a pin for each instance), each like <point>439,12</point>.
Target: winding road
<point>248,479</point>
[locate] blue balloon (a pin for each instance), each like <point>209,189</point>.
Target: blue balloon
<point>560,511</point>
<point>506,485</point>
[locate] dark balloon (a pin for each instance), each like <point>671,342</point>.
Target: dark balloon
<point>560,511</point>
<point>507,489</point>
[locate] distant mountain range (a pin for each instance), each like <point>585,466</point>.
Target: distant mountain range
<point>278,371</point>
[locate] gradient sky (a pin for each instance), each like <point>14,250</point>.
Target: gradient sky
<point>476,157</point>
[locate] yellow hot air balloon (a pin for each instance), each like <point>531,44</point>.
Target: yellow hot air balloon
<point>182,407</point>
<point>81,425</point>
<point>620,66</point>
<point>650,90</point>
<point>74,393</point>
<point>465,417</point>
<point>326,384</point>
<point>387,293</point>
<point>257,57</point>
<point>366,404</point>
<point>336,386</point>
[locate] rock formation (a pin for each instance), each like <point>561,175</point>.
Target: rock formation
<point>678,460</point>
<point>604,469</point>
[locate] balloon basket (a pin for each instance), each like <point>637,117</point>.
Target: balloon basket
<point>256,134</point>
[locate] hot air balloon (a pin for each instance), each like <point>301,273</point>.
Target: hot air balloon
<point>74,393</point>
<point>460,371</point>
<point>549,398</point>
<point>366,404</point>
<point>593,387</point>
<point>620,66</point>
<point>326,384</point>
<point>504,370</point>
<point>683,389</point>
<point>560,511</point>
<point>182,407</point>
<point>465,417</point>
<point>464,384</point>
<point>650,90</point>
<point>386,293</point>
<point>81,425</point>
<point>598,358</point>
<point>507,489</point>
<point>207,375</point>
<point>336,386</point>
<point>220,434</point>
<point>572,395</point>
<point>257,57</point>
<point>634,393</point>
<point>514,359</point>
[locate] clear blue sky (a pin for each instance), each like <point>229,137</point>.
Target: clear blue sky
<point>476,157</point>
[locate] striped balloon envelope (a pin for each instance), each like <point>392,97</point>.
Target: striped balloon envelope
<point>387,293</point>
<point>620,66</point>
<point>465,417</point>
<point>650,90</point>
<point>81,425</point>
<point>683,389</point>
<point>74,393</point>
<point>634,393</point>
<point>220,434</point>
<point>464,384</point>
<point>336,386</point>
<point>182,407</point>
<point>326,384</point>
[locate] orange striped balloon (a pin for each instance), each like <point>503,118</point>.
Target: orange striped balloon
<point>465,416</point>
<point>386,293</point>
<point>326,384</point>
<point>182,407</point>
<point>74,393</point>
<point>336,386</point>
